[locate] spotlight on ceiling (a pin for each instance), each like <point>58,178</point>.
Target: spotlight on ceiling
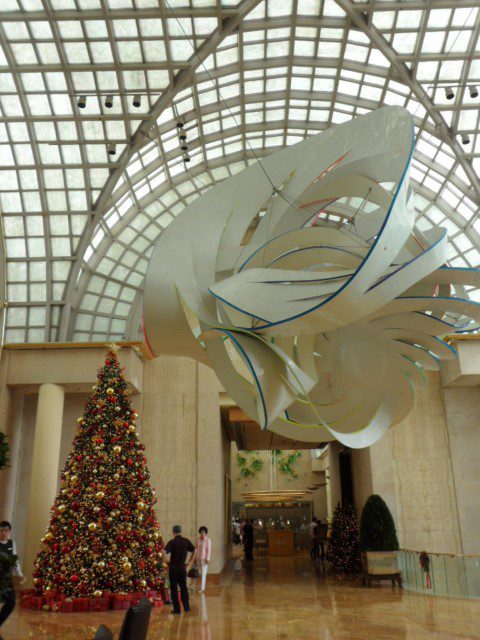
<point>180,123</point>
<point>112,149</point>
<point>184,147</point>
<point>465,138</point>
<point>186,158</point>
<point>137,100</point>
<point>82,102</point>
<point>449,93</point>
<point>473,91</point>
<point>183,136</point>
<point>109,102</point>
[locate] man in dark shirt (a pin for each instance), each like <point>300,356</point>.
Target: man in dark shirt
<point>178,549</point>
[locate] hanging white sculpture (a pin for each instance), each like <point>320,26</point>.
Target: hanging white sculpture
<point>334,326</point>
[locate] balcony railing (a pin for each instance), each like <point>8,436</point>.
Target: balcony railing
<point>448,575</point>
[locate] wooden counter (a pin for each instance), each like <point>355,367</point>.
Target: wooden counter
<point>280,543</point>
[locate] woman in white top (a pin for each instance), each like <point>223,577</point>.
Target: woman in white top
<point>204,550</point>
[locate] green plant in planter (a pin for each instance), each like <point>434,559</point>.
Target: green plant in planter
<point>4,451</point>
<point>377,528</point>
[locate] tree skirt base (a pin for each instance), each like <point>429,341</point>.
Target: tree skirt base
<point>59,603</point>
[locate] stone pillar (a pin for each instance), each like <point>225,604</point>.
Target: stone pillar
<point>44,473</point>
<point>211,508</point>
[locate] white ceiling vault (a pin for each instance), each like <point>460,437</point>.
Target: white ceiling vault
<point>247,78</point>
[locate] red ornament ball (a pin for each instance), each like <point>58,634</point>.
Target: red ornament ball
<point>74,578</point>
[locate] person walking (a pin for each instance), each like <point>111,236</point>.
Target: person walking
<point>248,539</point>
<point>203,552</point>
<point>236,532</point>
<point>178,548</point>
<point>8,549</point>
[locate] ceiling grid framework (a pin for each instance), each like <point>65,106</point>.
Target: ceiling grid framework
<point>79,225</point>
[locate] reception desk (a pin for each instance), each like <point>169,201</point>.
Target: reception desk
<point>280,543</point>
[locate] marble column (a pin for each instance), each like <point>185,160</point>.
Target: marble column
<point>45,465</point>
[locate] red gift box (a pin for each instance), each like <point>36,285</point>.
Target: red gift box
<point>66,606</point>
<point>98,604</point>
<point>157,602</point>
<point>151,594</point>
<point>121,602</point>
<point>80,605</point>
<point>28,592</point>
<point>36,602</point>
<point>26,601</point>
<point>51,596</point>
<point>135,597</point>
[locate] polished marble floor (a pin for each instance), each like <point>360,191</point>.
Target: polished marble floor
<point>276,599</point>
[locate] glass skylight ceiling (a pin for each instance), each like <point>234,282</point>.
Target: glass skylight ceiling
<point>79,226</point>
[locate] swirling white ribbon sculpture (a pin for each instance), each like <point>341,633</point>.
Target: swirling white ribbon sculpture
<point>334,325</point>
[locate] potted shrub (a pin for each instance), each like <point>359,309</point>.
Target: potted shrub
<point>378,542</point>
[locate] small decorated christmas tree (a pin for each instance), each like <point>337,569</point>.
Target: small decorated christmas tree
<point>103,533</point>
<point>377,528</point>
<point>343,546</point>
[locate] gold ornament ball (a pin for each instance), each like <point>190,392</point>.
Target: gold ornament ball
<point>97,593</point>
<point>141,505</point>
<point>96,509</point>
<point>74,479</point>
<point>127,567</point>
<point>100,495</point>
<point>143,583</point>
<point>61,508</point>
<point>156,535</point>
<point>131,428</point>
<point>101,564</point>
<point>110,391</point>
<point>92,526</point>
<point>117,448</point>
<point>79,420</point>
<point>116,477</point>
<point>48,536</point>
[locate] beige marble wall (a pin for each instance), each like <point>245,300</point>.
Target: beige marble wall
<point>167,425</point>
<point>362,478</point>
<point>411,468</point>
<point>427,516</point>
<point>463,418</point>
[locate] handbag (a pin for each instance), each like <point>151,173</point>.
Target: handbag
<point>193,572</point>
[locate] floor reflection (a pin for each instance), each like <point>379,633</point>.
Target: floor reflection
<point>276,598</point>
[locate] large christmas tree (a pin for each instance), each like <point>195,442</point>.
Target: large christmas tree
<point>343,545</point>
<point>103,533</point>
